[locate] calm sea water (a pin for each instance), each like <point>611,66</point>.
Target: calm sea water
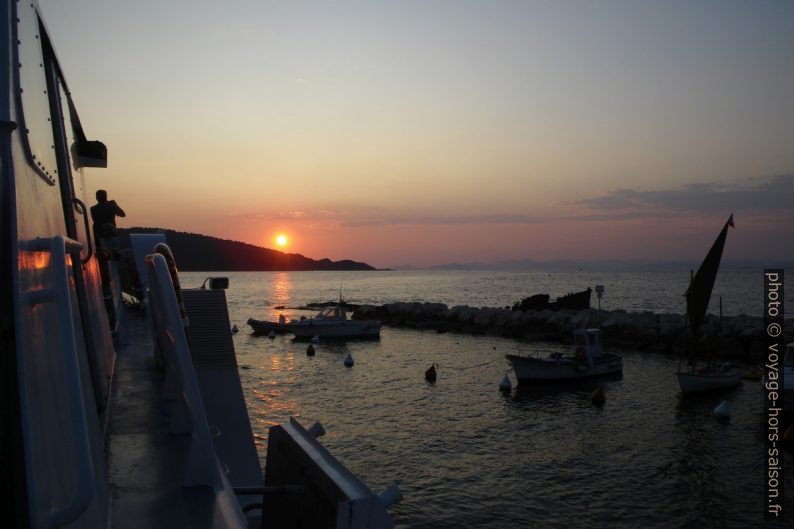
<point>466,454</point>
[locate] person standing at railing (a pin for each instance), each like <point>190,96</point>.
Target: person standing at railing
<point>104,214</point>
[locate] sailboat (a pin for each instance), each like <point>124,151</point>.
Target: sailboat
<point>714,375</point>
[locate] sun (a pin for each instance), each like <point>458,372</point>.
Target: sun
<point>281,240</point>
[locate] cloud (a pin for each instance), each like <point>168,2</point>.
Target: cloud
<point>445,220</point>
<point>766,194</point>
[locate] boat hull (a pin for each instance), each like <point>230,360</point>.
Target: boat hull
<point>693,382</point>
<point>528,369</point>
<point>342,329</point>
<point>264,327</point>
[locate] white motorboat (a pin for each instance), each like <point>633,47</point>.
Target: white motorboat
<point>588,361</point>
<point>332,322</point>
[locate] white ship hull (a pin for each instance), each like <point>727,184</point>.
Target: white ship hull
<point>694,382</point>
<point>335,329</point>
<point>528,369</point>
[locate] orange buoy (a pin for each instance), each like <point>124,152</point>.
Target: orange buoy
<point>430,374</point>
<point>310,350</point>
<point>598,396</point>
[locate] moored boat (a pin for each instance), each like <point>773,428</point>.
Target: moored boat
<point>588,361</point>
<point>332,322</point>
<point>717,377</point>
<point>264,327</point>
<point>714,375</point>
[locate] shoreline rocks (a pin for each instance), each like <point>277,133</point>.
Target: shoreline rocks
<point>742,335</point>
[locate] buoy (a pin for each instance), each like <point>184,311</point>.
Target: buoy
<point>723,411</point>
<point>310,350</point>
<point>505,384</point>
<point>316,338</point>
<point>234,329</point>
<point>430,374</point>
<point>349,360</point>
<point>598,396</point>
<point>271,334</point>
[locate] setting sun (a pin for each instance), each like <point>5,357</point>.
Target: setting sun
<point>281,240</point>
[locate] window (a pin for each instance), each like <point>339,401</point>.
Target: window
<point>35,119</point>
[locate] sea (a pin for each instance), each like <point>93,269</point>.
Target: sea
<point>466,454</point>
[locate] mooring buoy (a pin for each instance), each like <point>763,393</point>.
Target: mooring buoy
<point>316,338</point>
<point>430,373</point>
<point>598,396</point>
<point>723,411</point>
<point>310,350</point>
<point>234,329</point>
<point>271,334</point>
<point>505,384</point>
<point>349,360</point>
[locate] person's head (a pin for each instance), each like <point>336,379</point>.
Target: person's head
<point>101,195</point>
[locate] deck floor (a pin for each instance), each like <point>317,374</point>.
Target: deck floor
<point>145,461</point>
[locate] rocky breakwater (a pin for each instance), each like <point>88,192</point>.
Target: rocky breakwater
<point>740,336</point>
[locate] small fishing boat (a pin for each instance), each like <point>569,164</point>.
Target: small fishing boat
<point>264,327</point>
<point>714,375</point>
<point>332,322</point>
<point>588,361</point>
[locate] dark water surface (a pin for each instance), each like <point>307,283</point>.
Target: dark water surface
<point>466,454</point>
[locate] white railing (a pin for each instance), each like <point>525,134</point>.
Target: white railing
<point>59,293</point>
<point>203,467</point>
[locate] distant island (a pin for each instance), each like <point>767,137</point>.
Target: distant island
<point>195,252</point>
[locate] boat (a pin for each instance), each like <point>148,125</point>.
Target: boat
<point>332,322</point>
<point>264,326</point>
<point>110,419</point>
<point>714,375</point>
<point>571,301</point>
<point>588,361</point>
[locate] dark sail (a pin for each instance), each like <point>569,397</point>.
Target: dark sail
<point>699,292</point>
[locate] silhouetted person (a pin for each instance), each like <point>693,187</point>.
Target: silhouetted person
<point>104,215</point>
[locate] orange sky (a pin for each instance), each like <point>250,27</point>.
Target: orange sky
<point>423,133</point>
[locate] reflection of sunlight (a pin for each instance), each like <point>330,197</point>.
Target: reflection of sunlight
<point>282,287</point>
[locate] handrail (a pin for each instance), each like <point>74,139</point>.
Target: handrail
<point>85,488</point>
<point>202,466</point>
<point>84,212</point>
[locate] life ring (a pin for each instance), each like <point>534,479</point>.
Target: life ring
<point>164,250</point>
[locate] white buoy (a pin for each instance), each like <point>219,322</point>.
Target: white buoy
<point>234,329</point>
<point>271,334</point>
<point>723,411</point>
<point>505,384</point>
<point>316,338</point>
<point>391,495</point>
<point>349,360</point>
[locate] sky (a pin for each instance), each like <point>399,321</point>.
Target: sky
<point>428,132</point>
